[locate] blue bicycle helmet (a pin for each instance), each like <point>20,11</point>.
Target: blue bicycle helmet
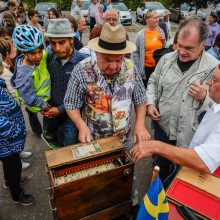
<point>27,38</point>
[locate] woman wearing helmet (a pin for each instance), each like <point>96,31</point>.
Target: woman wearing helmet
<point>31,77</point>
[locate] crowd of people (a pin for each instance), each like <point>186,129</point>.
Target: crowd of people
<point>87,93</point>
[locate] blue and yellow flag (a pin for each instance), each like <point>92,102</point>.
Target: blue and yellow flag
<point>154,205</point>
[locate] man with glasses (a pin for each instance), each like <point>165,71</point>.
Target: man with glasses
<point>176,91</point>
<point>203,153</point>
<point>111,16</point>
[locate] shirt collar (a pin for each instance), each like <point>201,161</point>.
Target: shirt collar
<point>216,107</point>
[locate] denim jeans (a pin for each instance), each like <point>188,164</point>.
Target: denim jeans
<point>66,133</point>
<point>168,169</point>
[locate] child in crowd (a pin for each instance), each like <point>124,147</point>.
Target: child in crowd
<point>12,141</point>
<point>31,77</point>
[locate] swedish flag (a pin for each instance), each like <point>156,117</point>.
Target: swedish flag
<point>154,205</point>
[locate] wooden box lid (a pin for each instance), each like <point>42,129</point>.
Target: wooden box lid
<point>198,191</point>
<point>204,181</point>
<point>77,152</point>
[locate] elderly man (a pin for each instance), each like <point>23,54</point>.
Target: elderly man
<point>105,88</point>
<point>203,152</point>
<point>176,92</point>
<point>111,16</point>
<point>61,60</point>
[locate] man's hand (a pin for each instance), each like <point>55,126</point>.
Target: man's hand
<point>197,91</point>
<point>143,149</point>
<point>51,112</point>
<point>84,134</point>
<point>153,113</point>
<point>141,134</point>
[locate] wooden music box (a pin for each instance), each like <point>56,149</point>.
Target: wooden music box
<point>90,181</point>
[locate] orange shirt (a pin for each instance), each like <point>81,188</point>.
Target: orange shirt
<point>153,43</point>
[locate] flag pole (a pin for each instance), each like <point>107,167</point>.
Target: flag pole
<point>156,170</point>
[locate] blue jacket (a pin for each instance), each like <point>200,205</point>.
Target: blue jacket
<point>12,125</point>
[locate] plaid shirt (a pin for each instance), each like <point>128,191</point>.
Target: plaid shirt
<point>107,105</point>
<point>77,87</point>
<point>60,75</point>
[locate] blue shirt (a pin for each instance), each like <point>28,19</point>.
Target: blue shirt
<point>60,75</point>
<point>12,125</point>
<point>78,35</point>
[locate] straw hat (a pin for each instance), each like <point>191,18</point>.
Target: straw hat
<point>59,27</point>
<point>112,41</point>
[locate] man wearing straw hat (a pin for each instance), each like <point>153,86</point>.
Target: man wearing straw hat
<point>105,90</point>
<point>60,62</point>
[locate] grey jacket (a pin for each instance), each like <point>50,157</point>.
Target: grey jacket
<point>139,54</point>
<point>168,90</point>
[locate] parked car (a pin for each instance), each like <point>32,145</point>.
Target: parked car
<point>125,15</point>
<point>84,9</point>
<point>144,7</point>
<point>185,11</point>
<point>42,8</point>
